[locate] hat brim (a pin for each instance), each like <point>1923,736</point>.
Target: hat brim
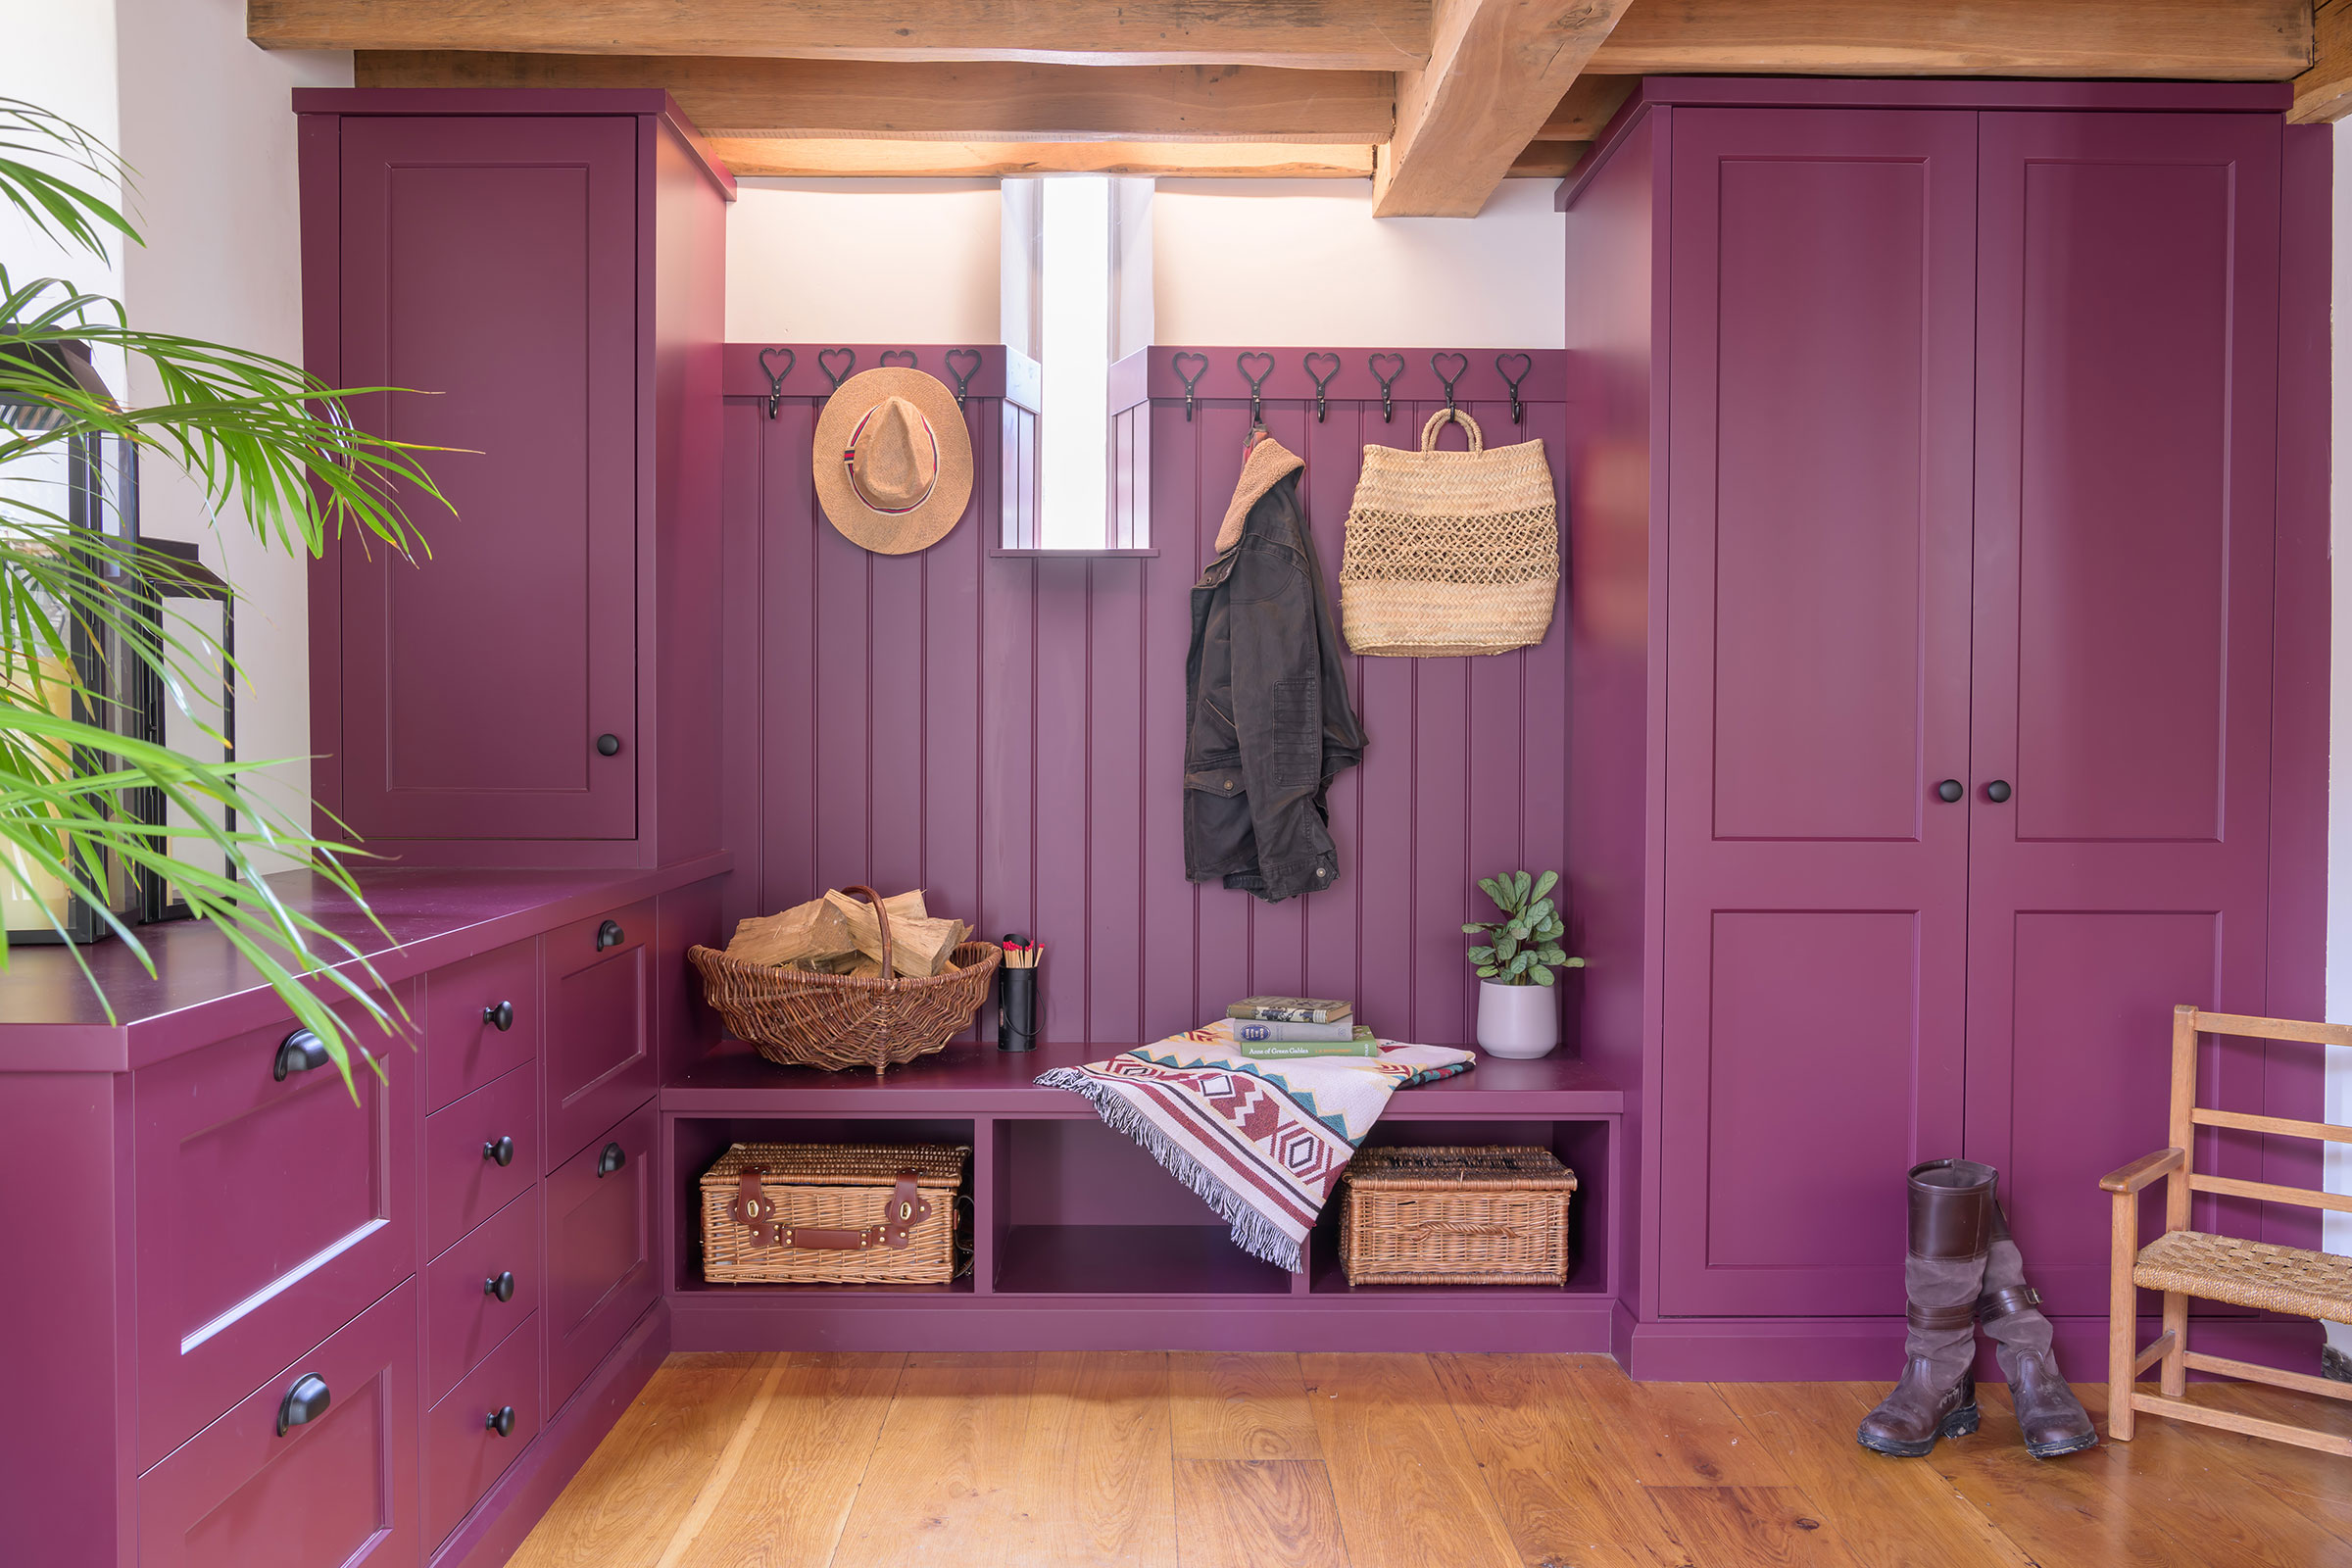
<point>893,533</point>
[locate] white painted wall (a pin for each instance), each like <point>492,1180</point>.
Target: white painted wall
<point>208,128</point>
<point>1303,262</point>
<point>847,261</point>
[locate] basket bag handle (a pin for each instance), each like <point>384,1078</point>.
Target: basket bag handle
<point>1460,416</point>
<point>908,1208</point>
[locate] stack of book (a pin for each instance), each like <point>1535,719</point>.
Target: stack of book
<point>1274,1028</point>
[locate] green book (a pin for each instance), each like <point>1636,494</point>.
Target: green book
<point>1289,1050</point>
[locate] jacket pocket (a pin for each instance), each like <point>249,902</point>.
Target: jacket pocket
<point>1295,748</point>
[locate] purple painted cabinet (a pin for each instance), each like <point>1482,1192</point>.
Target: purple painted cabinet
<point>540,276</point>
<point>1818,677</point>
<point>2126,507</point>
<point>476,679</point>
<point>1927,535</point>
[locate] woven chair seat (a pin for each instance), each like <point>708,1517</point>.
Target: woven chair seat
<point>2257,1274</point>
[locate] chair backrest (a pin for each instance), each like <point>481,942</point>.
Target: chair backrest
<point>2187,1115</point>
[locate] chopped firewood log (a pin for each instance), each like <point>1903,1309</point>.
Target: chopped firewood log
<point>919,945</point>
<point>806,936</point>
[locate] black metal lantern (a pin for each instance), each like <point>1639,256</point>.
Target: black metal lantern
<point>118,691</point>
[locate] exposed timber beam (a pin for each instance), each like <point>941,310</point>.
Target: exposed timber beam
<point>804,157</point>
<point>1497,70</point>
<point>2211,40</point>
<point>1309,34</point>
<point>1587,107</point>
<point>979,101</point>
<point>2325,91</point>
<point>1549,159</point>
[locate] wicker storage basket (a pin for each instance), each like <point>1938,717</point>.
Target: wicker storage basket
<point>1450,553</point>
<point>832,1214</point>
<point>1456,1216</point>
<point>798,1019</point>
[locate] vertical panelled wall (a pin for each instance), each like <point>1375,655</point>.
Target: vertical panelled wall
<point>1006,728</point>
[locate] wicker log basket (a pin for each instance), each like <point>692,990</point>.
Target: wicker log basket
<point>797,1018</point>
<point>1456,1216</point>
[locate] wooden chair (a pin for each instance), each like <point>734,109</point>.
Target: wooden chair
<point>2183,1262</point>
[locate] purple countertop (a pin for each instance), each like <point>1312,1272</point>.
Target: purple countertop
<point>202,988</point>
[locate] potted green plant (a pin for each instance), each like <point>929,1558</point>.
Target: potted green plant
<point>1518,1010</point>
<point>272,450</point>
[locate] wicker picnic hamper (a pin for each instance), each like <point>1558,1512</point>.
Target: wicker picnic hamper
<point>832,1214</point>
<point>1456,1216</point>
<point>800,1019</point>
<point>1450,553</point>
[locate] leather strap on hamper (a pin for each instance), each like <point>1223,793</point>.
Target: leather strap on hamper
<point>761,1216</point>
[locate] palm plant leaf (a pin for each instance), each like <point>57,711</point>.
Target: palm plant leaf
<point>266,445</point>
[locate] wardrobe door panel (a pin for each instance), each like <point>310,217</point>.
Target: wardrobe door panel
<point>1817,671</point>
<point>477,682</point>
<point>2128,349</point>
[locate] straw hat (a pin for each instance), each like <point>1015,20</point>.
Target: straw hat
<point>894,462</point>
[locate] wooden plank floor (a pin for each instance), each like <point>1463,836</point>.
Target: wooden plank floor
<point>1393,1462</point>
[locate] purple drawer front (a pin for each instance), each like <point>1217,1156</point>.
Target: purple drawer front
<point>599,1244</point>
<point>340,1489</point>
<point>464,1453</point>
<point>464,1316</point>
<point>270,1212</point>
<point>600,1047</point>
<point>464,1184</point>
<point>463,1004</point>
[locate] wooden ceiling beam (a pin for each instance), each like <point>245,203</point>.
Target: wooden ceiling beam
<point>2325,91</point>
<point>1497,70</point>
<point>1306,35</point>
<point>2211,40</point>
<point>1587,107</point>
<point>801,156</point>
<point>975,101</point>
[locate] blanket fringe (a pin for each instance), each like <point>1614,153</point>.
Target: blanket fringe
<point>1252,1231</point>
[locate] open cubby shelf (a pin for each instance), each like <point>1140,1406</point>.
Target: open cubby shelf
<point>1080,1239</point>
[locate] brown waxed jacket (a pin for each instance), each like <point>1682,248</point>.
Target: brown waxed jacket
<point>1268,722</point>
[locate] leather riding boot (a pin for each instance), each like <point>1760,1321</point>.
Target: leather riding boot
<point>1951,1225</point>
<point>2049,1417</point>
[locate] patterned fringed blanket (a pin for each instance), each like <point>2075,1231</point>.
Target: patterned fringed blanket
<point>1262,1142</point>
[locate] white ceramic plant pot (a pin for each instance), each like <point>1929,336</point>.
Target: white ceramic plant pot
<point>1520,1022</point>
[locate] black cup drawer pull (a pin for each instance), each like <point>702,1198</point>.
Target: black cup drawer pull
<point>610,934</point>
<point>500,1017</point>
<point>305,1401</point>
<point>500,1285</point>
<point>301,1051</point>
<point>501,1152</point>
<point>611,1159</point>
<point>500,1421</point>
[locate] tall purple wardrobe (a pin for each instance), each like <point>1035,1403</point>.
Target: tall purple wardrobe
<point>1948,498</point>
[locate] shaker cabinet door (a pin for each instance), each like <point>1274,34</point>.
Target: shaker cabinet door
<point>2125,509</point>
<point>1817,680</point>
<point>489,267</point>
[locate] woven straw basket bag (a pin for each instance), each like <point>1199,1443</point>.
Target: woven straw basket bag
<point>1450,553</point>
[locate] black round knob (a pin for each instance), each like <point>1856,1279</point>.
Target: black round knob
<point>608,744</point>
<point>500,1421</point>
<point>611,1159</point>
<point>610,934</point>
<point>1997,791</point>
<point>306,1401</point>
<point>500,1017</point>
<point>502,1152</point>
<point>1949,791</point>
<point>501,1285</point>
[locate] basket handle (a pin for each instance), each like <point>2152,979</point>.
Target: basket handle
<point>1460,416</point>
<point>908,1208</point>
<point>881,922</point>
